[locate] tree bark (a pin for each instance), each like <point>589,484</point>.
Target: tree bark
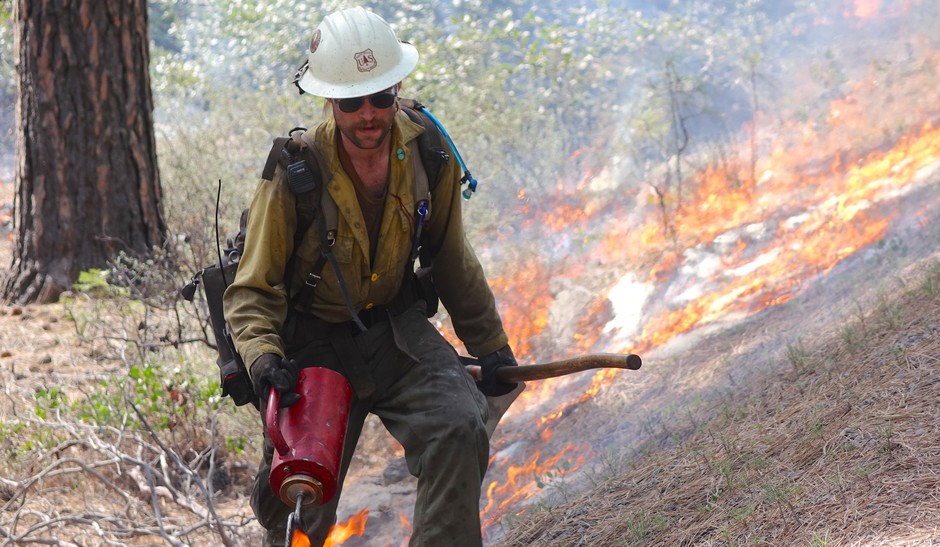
<point>86,175</point>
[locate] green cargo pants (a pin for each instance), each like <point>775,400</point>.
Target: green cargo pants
<point>407,374</point>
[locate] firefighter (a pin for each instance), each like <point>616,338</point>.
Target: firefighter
<point>400,367</point>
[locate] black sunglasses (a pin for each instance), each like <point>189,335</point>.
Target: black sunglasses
<point>382,99</point>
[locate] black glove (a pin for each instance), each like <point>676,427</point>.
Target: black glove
<point>489,363</point>
<point>269,371</point>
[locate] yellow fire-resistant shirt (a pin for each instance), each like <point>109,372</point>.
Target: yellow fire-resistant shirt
<point>256,303</point>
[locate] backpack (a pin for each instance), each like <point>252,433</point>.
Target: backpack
<point>306,172</point>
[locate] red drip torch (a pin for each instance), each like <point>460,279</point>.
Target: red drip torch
<point>308,438</point>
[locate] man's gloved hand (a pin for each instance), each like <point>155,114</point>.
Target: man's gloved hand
<point>489,363</point>
<point>269,371</point>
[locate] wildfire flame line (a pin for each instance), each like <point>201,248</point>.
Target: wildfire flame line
<point>810,221</point>
<point>522,481</point>
<point>742,241</point>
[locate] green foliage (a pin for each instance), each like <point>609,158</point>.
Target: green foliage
<point>95,283</point>
<point>10,432</point>
<point>554,481</point>
<point>7,56</point>
<point>797,355</point>
<point>170,402</point>
<point>641,525</point>
<point>931,282</point>
<point>236,445</point>
<point>8,61</point>
<point>779,493</point>
<point>48,400</point>
<point>851,337</point>
<point>820,539</point>
<point>829,72</point>
<point>888,312</point>
<point>744,512</point>
<point>535,95</point>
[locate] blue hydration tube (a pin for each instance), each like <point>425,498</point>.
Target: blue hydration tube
<point>467,177</point>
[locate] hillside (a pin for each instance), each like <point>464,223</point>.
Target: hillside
<point>840,445</point>
<point>813,423</point>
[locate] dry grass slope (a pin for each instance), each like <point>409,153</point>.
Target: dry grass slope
<point>841,449</point>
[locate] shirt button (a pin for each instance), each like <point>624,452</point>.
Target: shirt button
<point>369,306</point>
<point>375,277</point>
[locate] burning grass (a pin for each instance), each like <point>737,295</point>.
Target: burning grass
<point>842,448</point>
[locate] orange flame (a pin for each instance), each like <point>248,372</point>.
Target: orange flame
<point>299,539</point>
<point>522,481</point>
<point>355,526</point>
<point>405,526</point>
<point>836,224</point>
<point>809,205</point>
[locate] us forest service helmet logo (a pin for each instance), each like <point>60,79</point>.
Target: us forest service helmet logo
<point>365,61</point>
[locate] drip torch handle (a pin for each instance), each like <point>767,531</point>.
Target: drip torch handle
<point>272,424</point>
<point>555,369</point>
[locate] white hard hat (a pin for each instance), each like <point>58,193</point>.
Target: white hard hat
<point>354,53</point>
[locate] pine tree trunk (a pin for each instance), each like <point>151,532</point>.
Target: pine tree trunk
<point>86,175</point>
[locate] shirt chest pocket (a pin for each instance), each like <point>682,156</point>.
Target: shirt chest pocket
<point>343,248</point>
<point>395,245</point>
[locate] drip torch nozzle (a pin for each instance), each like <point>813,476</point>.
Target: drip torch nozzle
<point>300,503</point>
<point>296,537</point>
<point>301,485</point>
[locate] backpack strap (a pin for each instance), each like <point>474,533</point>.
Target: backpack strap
<point>328,207</point>
<point>320,202</point>
<point>308,177</point>
<point>304,182</point>
<point>433,149</point>
<point>271,163</point>
<point>430,158</point>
